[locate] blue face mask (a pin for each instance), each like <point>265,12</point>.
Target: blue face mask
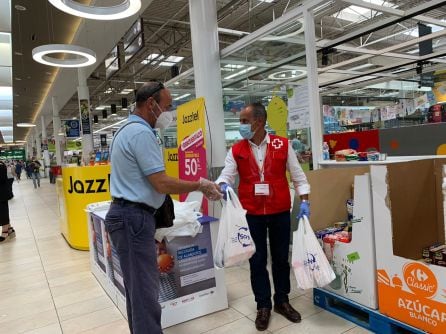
<point>245,131</point>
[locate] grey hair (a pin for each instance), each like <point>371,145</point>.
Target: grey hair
<point>149,89</point>
<point>258,110</point>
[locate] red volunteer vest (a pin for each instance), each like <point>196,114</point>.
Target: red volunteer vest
<point>274,170</point>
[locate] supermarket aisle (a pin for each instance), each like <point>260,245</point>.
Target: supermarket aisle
<point>46,287</point>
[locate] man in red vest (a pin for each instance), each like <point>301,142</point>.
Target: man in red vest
<point>261,160</point>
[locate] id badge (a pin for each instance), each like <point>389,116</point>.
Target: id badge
<point>261,189</point>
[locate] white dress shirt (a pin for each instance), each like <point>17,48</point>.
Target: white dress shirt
<point>298,177</point>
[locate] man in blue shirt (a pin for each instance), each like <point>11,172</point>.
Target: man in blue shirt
<point>138,184</point>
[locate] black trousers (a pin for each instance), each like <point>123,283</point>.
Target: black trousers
<point>4,213</point>
<point>277,228</point>
<point>132,233</point>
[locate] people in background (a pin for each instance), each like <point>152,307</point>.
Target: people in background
<point>261,160</point>
<point>7,231</point>
<point>18,169</point>
<point>35,170</point>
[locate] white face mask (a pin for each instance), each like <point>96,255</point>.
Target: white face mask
<point>164,119</point>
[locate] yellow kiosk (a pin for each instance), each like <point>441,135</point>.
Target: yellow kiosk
<point>78,187</point>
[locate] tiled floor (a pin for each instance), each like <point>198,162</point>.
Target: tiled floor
<point>46,287</point>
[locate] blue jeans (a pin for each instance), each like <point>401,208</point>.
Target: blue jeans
<point>277,227</point>
<point>36,177</point>
<point>132,233</point>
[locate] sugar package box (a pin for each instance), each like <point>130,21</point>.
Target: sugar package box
<point>426,250</point>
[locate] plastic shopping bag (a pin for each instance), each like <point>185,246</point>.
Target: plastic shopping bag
<point>234,243</point>
<point>185,224</point>
<point>309,262</point>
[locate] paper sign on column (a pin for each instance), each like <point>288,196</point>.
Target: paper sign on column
<point>298,112</point>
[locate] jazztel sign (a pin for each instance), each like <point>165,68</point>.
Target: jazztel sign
<point>88,186</point>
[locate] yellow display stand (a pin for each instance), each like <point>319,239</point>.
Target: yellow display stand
<point>78,187</point>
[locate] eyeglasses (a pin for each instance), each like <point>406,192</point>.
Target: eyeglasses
<point>157,89</point>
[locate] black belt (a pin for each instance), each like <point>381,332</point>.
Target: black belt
<point>124,202</point>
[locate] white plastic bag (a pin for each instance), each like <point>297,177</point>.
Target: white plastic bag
<point>185,224</point>
<point>234,243</point>
<point>309,262</point>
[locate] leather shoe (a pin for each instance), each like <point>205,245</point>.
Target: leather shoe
<point>262,319</point>
<point>288,312</point>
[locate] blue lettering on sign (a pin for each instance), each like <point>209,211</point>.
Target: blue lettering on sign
<point>190,252</point>
<point>243,237</point>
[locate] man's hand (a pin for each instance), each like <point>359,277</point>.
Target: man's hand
<point>304,209</point>
<point>223,188</point>
<point>210,189</point>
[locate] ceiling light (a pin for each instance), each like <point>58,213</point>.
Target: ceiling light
<point>25,125</point>
<point>20,7</point>
<point>126,91</point>
<point>20,141</point>
<point>169,61</point>
<point>125,9</point>
<point>111,126</point>
<point>181,97</point>
<point>17,53</point>
<point>241,72</point>
<point>18,79</point>
<point>40,55</point>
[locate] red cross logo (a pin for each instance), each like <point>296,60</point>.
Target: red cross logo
<point>277,143</point>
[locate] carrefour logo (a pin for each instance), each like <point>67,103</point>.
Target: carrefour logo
<point>420,279</point>
<point>243,236</point>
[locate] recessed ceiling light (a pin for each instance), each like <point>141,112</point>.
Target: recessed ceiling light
<point>17,78</point>
<point>41,55</point>
<point>20,7</point>
<point>125,9</point>
<point>17,53</point>
<point>25,125</point>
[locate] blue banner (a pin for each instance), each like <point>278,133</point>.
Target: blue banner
<point>72,128</point>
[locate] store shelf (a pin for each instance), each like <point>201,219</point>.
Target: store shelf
<point>389,160</point>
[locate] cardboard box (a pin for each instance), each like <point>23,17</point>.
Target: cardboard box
<point>353,263</point>
<point>408,215</point>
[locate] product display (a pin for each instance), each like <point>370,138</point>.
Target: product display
<point>352,155</point>
<point>435,254</point>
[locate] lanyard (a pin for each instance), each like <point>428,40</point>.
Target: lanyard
<point>262,166</point>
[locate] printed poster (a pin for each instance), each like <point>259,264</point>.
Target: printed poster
<point>191,128</point>
<point>298,112</point>
<point>171,163</point>
<point>84,107</point>
<point>72,128</point>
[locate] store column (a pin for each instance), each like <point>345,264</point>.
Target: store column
<point>56,130</point>
<point>46,155</point>
<point>206,58</point>
<point>38,144</point>
<point>85,117</point>
<point>32,146</point>
<point>313,88</point>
